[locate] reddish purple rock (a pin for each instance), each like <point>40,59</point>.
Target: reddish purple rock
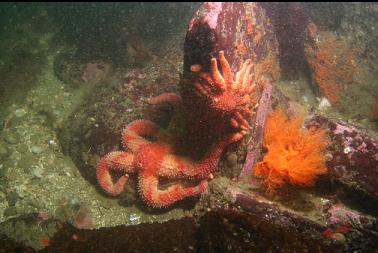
<point>241,30</point>
<point>337,228</point>
<point>354,161</point>
<point>255,146</point>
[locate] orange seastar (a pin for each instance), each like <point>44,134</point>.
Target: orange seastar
<point>151,151</point>
<point>155,160</point>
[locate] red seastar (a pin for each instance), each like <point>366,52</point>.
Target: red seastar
<point>155,160</point>
<point>151,153</point>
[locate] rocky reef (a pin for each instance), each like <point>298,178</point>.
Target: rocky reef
<point>91,78</point>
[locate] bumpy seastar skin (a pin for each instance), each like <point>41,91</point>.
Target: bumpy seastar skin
<point>226,96</point>
<point>149,161</point>
<point>124,162</point>
<point>155,160</point>
<point>174,193</point>
<point>116,161</point>
<point>132,135</point>
<point>184,167</point>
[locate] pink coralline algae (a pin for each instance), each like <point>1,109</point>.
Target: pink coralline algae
<point>354,153</point>
<point>343,220</point>
<point>339,215</point>
<point>211,16</point>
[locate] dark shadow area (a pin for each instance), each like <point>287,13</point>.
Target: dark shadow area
<point>111,32</point>
<point>220,230</point>
<point>22,49</point>
<point>290,21</point>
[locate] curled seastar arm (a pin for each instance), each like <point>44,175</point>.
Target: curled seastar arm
<point>248,112</point>
<point>209,80</point>
<point>203,89</point>
<point>238,121</point>
<point>121,162</point>
<point>156,197</point>
<point>133,136</point>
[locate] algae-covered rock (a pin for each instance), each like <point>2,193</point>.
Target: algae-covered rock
<point>57,127</point>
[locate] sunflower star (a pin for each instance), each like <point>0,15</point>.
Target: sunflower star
<point>155,160</point>
<point>152,151</point>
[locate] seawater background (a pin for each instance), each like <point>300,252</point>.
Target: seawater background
<point>56,121</point>
<point>44,50</point>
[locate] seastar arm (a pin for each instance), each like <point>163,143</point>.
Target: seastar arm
<point>242,74</point>
<point>216,75</point>
<point>168,97</point>
<point>118,161</point>
<point>156,197</point>
<point>206,166</point>
<point>226,70</point>
<point>242,123</point>
<point>180,167</point>
<point>203,89</point>
<point>208,78</point>
<point>247,80</point>
<point>134,134</point>
<point>215,79</point>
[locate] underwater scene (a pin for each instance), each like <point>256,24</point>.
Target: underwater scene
<point>188,127</point>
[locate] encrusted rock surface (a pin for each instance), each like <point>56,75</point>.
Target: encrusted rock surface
<point>353,161</point>
<point>48,196</point>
